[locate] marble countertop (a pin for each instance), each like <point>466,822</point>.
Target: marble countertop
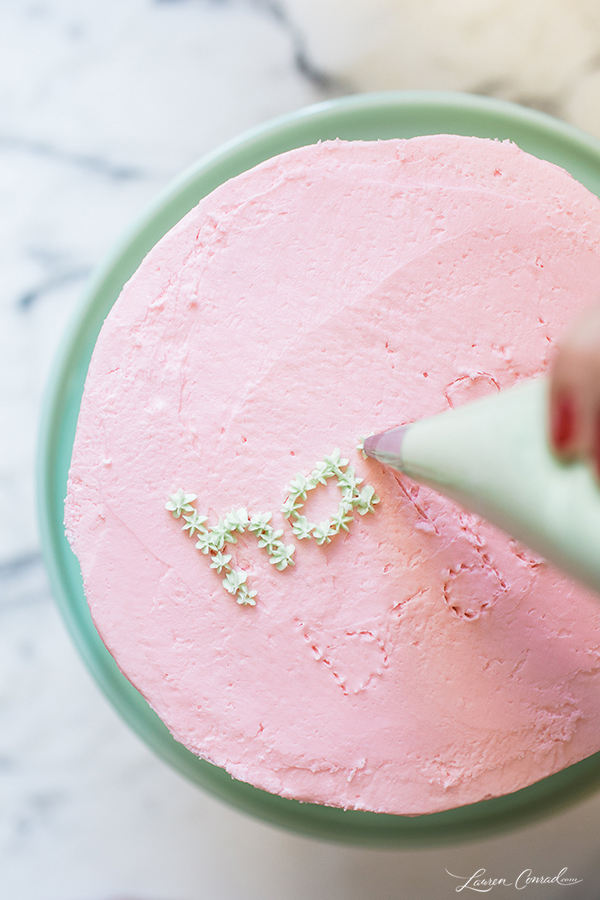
<point>101,104</point>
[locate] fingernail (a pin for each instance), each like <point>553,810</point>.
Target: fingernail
<point>562,424</point>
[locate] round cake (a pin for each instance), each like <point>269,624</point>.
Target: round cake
<point>308,619</point>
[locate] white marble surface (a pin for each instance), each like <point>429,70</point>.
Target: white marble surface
<point>101,103</point>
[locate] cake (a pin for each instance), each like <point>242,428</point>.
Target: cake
<point>304,617</point>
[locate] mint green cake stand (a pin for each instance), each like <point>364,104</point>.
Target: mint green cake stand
<point>366,117</point>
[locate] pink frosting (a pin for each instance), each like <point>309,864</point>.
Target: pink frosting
<point>423,660</point>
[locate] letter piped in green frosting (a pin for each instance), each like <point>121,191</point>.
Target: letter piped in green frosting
<point>362,500</point>
<point>212,541</point>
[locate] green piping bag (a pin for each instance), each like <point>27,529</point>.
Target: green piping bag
<point>493,457</point>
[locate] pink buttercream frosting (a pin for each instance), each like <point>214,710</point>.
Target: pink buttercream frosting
<point>422,660</point>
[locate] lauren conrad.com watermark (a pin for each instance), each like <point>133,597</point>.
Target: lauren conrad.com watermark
<point>482,883</point>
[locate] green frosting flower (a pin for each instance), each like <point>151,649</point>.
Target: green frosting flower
<point>341,519</point>
<point>290,506</point>
<point>367,500</point>
<point>234,580</point>
<point>220,561</point>
<point>281,557</point>
<point>205,542</point>
<point>259,522</point>
<point>334,463</point>
<point>321,473</point>
<point>179,503</point>
<point>302,528</point>
<point>348,481</point>
<point>194,522</point>
<point>322,533</point>
<point>246,597</point>
<point>361,444</point>
<point>223,533</point>
<point>298,487</point>
<point>237,520</point>
<point>269,538</point>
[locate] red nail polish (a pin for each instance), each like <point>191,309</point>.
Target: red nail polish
<point>562,425</point>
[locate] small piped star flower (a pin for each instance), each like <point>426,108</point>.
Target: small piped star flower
<point>320,473</point>
<point>298,487</point>
<point>223,533</point>
<point>281,557</point>
<point>322,533</point>
<point>348,481</point>
<point>361,444</point>
<point>366,500</point>
<point>302,528</point>
<point>237,519</point>
<point>220,561</point>
<point>180,502</point>
<point>334,463</point>
<point>341,519</point>
<point>290,506</point>
<point>205,542</point>
<point>246,597</point>
<point>234,580</point>
<point>269,538</point>
<point>259,522</point>
<point>194,522</point>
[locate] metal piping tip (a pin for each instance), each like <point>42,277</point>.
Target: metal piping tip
<point>386,447</point>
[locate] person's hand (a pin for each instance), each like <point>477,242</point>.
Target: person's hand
<point>575,392</point>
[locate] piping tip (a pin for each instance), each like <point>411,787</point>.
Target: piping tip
<point>386,447</point>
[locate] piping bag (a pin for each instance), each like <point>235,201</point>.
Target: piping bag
<point>492,456</point>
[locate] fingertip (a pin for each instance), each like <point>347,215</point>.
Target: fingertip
<point>562,423</point>
<point>596,445</point>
